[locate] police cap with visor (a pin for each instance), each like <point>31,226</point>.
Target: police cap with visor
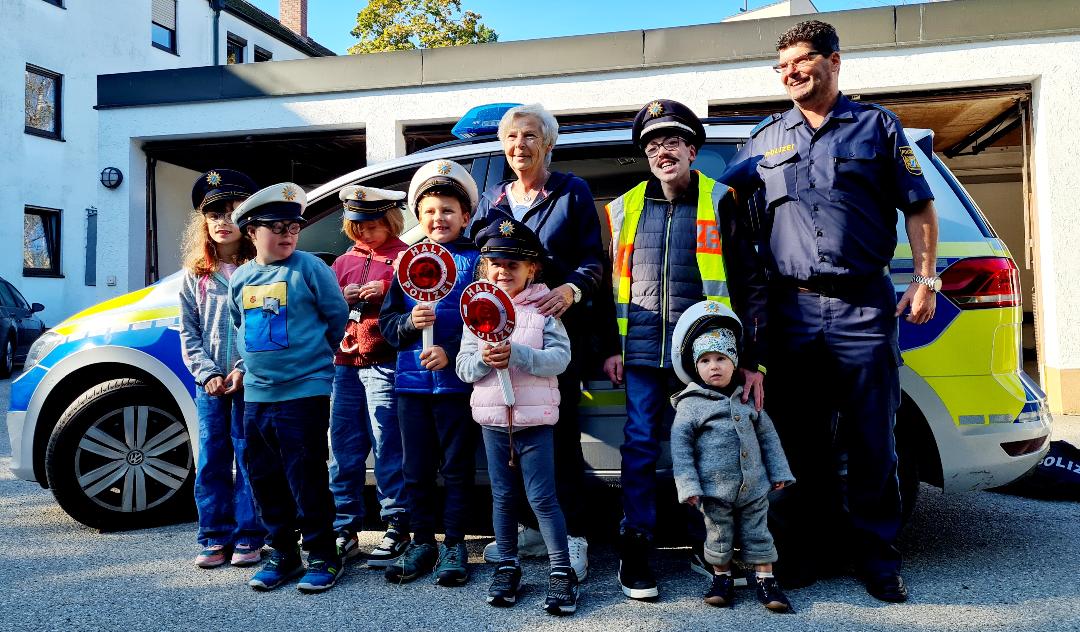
<point>664,117</point>
<point>217,186</point>
<point>443,176</point>
<point>364,204</point>
<point>284,201</point>
<point>509,239</point>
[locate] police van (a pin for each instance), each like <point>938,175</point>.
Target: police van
<point>103,413</point>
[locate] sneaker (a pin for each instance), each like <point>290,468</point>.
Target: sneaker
<point>212,556</point>
<point>417,560</point>
<point>530,544</point>
<point>504,585</point>
<point>393,544</point>
<point>635,576</point>
<point>721,591</point>
<point>770,594</point>
<point>563,591</point>
<point>453,567</point>
<point>246,555</point>
<point>705,569</point>
<point>322,573</point>
<point>579,556</point>
<point>279,568</point>
<point>348,545</point>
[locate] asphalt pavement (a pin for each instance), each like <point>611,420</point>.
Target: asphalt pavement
<point>979,561</point>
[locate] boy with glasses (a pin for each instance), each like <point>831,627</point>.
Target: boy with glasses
<point>290,315</point>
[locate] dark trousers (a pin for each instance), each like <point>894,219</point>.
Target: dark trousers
<point>833,386</point>
<point>286,456</point>
<point>438,436</point>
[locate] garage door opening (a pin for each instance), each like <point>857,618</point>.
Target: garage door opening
<point>984,136</point>
<point>308,159</point>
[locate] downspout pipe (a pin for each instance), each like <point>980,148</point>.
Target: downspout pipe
<point>216,6</point>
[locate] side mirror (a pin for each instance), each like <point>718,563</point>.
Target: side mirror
<point>36,307</point>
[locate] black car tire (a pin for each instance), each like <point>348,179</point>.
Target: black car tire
<point>120,458</point>
<point>7,363</point>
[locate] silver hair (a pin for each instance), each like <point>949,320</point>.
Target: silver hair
<point>549,127</point>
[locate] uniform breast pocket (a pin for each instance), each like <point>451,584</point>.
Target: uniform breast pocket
<point>779,176</point>
<point>857,168</point>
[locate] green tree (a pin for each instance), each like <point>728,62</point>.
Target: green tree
<point>408,24</point>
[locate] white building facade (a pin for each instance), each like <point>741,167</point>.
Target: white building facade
<point>50,176</point>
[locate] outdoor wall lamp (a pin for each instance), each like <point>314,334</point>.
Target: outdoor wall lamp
<point>111,177</point>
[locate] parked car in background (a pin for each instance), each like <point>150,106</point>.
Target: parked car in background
<point>19,327</point>
<point>103,413</point>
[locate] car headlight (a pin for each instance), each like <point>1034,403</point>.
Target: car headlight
<point>41,348</point>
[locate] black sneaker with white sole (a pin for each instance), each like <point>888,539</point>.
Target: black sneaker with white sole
<point>504,585</point>
<point>393,544</point>
<point>699,565</point>
<point>635,576</point>
<point>563,591</point>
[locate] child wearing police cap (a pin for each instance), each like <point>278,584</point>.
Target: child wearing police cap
<point>519,441</point>
<point>213,248</point>
<point>363,407</point>
<point>437,434</point>
<point>290,314</point>
<point>726,454</point>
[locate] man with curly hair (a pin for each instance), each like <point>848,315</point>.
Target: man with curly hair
<point>826,179</point>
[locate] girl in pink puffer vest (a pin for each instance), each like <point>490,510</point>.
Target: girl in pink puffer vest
<point>520,450</point>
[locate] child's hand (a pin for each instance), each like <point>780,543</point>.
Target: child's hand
<point>434,358</point>
<point>234,381</point>
<point>423,315</point>
<point>780,485</point>
<point>693,501</point>
<point>371,292</point>
<point>351,292</point>
<point>496,357</point>
<point>215,385</point>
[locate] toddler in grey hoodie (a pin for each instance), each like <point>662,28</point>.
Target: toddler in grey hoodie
<point>726,455</point>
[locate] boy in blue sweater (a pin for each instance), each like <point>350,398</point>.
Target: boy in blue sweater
<point>434,415</point>
<point>290,315</point>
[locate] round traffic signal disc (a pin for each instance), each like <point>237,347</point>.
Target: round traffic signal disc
<point>487,311</point>
<point>427,272</point>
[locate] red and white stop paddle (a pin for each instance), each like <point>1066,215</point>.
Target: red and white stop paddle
<point>488,312</point>
<point>427,273</point>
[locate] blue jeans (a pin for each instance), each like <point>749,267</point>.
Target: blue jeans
<point>648,422</point>
<point>226,507</point>
<point>350,442</point>
<point>286,456</point>
<point>378,381</point>
<point>439,437</point>
<point>534,451</point>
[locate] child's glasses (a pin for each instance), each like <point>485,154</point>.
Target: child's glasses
<point>280,228</point>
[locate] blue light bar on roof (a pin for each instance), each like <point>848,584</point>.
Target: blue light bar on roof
<point>481,120</point>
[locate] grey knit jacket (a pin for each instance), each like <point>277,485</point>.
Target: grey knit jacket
<point>723,448</point>
<point>207,335</point>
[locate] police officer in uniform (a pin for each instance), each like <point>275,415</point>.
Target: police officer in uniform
<point>829,176</point>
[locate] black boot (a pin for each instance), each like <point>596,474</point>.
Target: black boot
<point>635,576</point>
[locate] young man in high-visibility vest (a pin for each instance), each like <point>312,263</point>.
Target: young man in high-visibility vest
<point>674,242</point>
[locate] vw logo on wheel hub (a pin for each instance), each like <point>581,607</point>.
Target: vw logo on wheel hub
<point>135,457</point>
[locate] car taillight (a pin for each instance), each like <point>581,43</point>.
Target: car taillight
<point>982,282</point>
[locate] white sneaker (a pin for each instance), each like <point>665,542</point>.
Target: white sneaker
<point>579,556</point>
<point>530,544</point>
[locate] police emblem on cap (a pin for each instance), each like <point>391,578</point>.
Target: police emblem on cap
<point>213,178</point>
<point>361,195</point>
<point>655,109</point>
<point>506,228</point>
<point>288,193</point>
<point>443,168</point>
<point>712,307</point>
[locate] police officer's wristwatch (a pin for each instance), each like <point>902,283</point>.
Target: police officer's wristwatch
<point>934,282</point>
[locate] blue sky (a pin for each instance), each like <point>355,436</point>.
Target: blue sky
<point>329,21</point>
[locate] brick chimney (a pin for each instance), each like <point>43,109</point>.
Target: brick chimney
<point>293,15</point>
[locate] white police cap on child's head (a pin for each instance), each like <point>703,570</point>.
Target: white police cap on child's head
<point>281,201</point>
<point>443,174</point>
<point>698,318</point>
<point>363,203</point>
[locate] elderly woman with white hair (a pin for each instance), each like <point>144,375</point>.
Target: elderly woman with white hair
<point>560,209</point>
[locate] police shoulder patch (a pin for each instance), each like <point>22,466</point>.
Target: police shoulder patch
<point>765,122</point>
<point>911,162</point>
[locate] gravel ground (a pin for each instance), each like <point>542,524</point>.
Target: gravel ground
<point>981,561</point>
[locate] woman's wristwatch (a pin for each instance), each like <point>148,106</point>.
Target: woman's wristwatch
<point>934,282</point>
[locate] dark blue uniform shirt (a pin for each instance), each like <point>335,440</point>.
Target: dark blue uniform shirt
<point>830,195</point>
